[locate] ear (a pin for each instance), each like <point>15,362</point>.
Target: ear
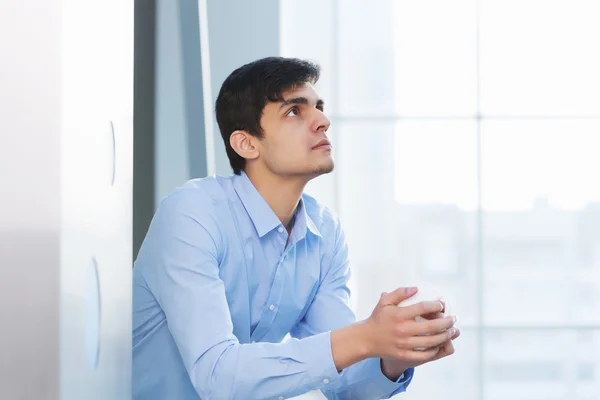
<point>244,144</point>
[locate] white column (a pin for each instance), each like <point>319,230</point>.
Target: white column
<point>65,219</point>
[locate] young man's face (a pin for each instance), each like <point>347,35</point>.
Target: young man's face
<point>295,141</point>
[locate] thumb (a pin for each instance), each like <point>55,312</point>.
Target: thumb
<point>398,295</point>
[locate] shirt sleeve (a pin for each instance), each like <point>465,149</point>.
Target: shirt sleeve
<point>181,253</point>
<point>330,310</point>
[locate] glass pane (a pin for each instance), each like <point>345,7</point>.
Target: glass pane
<point>451,378</point>
<point>540,57</point>
<point>435,57</point>
<point>541,222</point>
<point>313,44</point>
<point>365,58</point>
<point>436,221</point>
<point>407,193</point>
<point>436,163</point>
<point>542,365</point>
<point>367,207</point>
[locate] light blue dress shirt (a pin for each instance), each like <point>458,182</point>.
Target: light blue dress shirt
<point>216,289</point>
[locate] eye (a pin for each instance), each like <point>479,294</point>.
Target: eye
<point>293,112</point>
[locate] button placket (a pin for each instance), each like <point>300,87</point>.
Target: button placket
<point>273,301</point>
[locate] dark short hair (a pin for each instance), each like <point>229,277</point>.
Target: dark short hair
<point>246,91</point>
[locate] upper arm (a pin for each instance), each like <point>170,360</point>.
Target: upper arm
<point>331,307</point>
<point>180,259</point>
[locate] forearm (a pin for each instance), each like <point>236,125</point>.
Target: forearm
<point>364,376</point>
<point>265,370</point>
<point>269,370</point>
<point>392,369</point>
<point>350,345</point>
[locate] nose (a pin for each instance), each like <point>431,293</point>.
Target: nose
<point>321,122</point>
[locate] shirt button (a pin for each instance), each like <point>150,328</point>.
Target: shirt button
<point>326,381</point>
<point>271,307</point>
<point>280,398</point>
<point>254,341</point>
<point>280,229</point>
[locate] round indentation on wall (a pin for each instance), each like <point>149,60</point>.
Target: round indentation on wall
<point>113,139</point>
<point>92,315</point>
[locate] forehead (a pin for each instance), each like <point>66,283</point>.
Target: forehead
<point>305,89</point>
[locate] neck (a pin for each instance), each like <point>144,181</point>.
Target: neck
<point>282,194</point>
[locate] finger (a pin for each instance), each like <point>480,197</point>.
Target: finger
<point>447,349</point>
<point>422,308</point>
<point>398,295</point>
<point>429,327</point>
<point>430,341</point>
<point>441,300</point>
<point>418,356</point>
<point>457,334</point>
<point>432,316</point>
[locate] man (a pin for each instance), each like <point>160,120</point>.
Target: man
<point>231,265</point>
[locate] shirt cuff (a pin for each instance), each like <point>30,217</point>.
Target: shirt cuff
<point>406,377</point>
<point>322,370</point>
<point>384,384</point>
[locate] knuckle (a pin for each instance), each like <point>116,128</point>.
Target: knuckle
<point>399,316</point>
<point>400,330</point>
<point>401,343</point>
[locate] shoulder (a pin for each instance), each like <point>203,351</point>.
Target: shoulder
<point>202,200</point>
<point>201,196</point>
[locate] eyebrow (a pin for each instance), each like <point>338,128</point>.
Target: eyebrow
<point>300,100</point>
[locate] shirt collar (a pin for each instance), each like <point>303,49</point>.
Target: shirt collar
<point>261,214</point>
<point>304,219</point>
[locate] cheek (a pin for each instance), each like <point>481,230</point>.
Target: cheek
<point>288,153</point>
<point>288,143</point>
<point>291,144</point>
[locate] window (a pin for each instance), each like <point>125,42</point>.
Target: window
<point>466,136</point>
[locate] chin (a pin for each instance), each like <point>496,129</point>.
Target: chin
<point>310,171</point>
<point>324,169</point>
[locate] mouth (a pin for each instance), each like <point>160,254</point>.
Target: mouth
<point>323,145</point>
